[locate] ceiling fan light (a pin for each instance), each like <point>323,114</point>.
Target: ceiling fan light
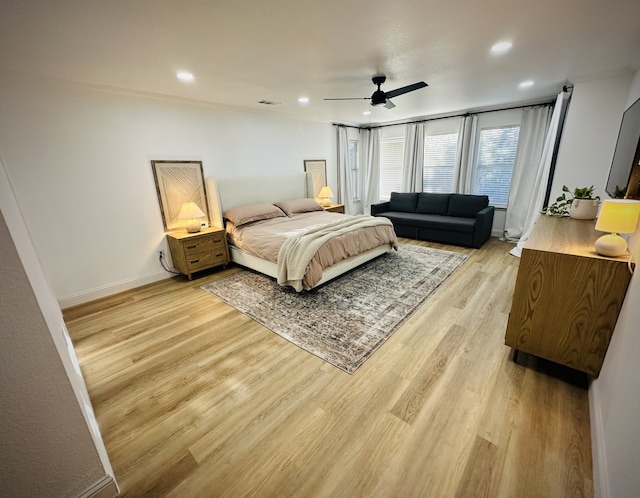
<point>378,98</point>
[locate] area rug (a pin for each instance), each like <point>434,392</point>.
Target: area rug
<point>346,320</point>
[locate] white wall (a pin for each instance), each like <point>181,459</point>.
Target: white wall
<point>590,134</point>
<point>79,160</point>
<point>51,444</point>
<point>614,397</point>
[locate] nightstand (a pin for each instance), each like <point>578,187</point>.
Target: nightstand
<point>192,252</point>
<point>334,208</point>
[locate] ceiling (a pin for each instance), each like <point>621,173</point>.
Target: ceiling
<point>242,52</point>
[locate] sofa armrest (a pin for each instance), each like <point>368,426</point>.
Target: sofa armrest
<point>380,208</point>
<point>482,229</point>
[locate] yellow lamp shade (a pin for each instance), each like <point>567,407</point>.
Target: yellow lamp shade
<point>618,216</point>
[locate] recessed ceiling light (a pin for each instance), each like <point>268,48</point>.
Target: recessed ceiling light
<point>303,100</point>
<point>526,84</point>
<point>366,113</point>
<point>501,47</point>
<point>184,76</point>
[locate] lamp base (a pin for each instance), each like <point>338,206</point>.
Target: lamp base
<point>611,245</point>
<point>326,202</point>
<point>192,225</point>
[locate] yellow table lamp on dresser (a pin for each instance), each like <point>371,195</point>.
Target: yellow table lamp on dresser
<point>616,216</point>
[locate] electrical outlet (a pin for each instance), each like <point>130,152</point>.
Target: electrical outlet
<point>161,254</point>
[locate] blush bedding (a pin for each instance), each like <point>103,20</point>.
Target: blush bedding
<point>304,244</point>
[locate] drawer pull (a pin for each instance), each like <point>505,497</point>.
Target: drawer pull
<point>191,247</point>
<point>219,254</point>
<point>194,261</point>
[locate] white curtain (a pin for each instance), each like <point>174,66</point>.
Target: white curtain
<point>371,142</point>
<point>531,141</point>
<point>464,155</point>
<point>539,185</point>
<point>413,158</point>
<point>344,173</point>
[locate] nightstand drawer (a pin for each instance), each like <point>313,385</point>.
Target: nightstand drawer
<point>206,259</point>
<point>206,243</point>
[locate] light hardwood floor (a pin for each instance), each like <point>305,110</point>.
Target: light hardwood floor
<point>195,399</point>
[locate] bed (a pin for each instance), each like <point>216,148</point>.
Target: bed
<point>230,194</point>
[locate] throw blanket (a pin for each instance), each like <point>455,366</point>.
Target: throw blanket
<point>298,250</point>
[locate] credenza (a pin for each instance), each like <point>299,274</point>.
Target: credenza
<point>567,298</point>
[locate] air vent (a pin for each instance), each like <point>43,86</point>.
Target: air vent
<point>269,102</point>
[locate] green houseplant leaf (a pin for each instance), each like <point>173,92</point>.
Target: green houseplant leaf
<point>563,202</point>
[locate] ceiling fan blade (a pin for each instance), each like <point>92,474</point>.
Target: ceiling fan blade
<point>351,98</point>
<point>405,89</point>
<point>389,105</point>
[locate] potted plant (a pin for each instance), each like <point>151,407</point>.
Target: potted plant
<point>580,204</point>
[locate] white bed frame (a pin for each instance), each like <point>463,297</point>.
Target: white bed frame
<point>226,193</point>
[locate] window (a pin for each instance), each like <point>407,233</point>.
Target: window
<point>496,155</point>
<point>391,158</point>
<point>439,162</point>
<point>354,171</point>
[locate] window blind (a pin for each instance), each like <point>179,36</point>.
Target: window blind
<point>391,158</point>
<point>496,155</point>
<point>353,170</point>
<point>439,162</point>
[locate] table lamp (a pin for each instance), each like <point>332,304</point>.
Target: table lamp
<point>616,216</point>
<point>190,211</point>
<point>325,196</point>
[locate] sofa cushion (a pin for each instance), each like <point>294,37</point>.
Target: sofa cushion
<point>433,221</point>
<point>433,203</point>
<point>404,202</point>
<point>467,206</point>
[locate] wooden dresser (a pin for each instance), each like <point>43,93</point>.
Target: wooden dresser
<point>567,298</point>
<point>192,252</point>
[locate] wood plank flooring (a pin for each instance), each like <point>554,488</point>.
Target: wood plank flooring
<point>195,399</point>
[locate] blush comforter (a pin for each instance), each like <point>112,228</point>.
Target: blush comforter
<point>302,246</point>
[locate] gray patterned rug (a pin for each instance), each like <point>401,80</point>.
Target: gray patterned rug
<point>346,320</point>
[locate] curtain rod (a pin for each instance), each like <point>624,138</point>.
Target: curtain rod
<point>463,114</point>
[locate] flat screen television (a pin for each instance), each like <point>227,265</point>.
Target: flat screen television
<point>626,156</point>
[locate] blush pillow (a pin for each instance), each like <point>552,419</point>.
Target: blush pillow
<point>297,206</point>
<point>248,213</point>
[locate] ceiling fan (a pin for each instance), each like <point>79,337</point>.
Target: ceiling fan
<point>382,98</point>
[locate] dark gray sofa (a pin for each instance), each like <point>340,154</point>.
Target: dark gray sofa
<point>458,219</point>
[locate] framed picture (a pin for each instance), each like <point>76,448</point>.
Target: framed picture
<point>318,170</point>
<point>178,182</point>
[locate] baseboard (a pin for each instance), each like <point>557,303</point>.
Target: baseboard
<point>600,474</point>
<point>104,488</point>
<point>107,290</point>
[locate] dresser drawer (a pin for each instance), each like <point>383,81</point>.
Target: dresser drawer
<point>207,243</point>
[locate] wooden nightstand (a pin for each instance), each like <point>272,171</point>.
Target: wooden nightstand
<point>192,252</point>
<point>334,208</point>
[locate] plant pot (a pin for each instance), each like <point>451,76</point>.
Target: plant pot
<point>584,209</point>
